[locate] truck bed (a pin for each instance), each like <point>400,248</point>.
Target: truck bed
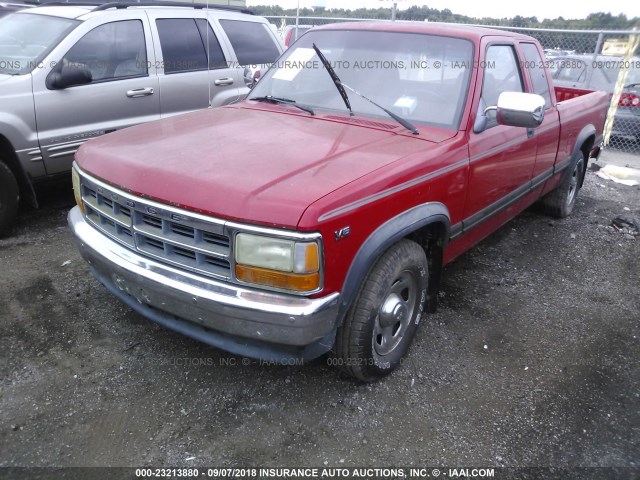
<point>577,108</point>
<point>568,93</point>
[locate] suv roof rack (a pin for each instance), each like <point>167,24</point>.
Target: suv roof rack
<point>120,5</point>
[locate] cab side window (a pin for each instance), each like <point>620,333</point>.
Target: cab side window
<point>111,51</point>
<point>536,72</point>
<point>501,74</point>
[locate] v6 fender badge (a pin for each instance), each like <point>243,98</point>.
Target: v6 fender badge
<point>344,232</point>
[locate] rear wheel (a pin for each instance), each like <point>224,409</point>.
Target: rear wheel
<point>383,320</point>
<point>9,198</point>
<point>559,202</point>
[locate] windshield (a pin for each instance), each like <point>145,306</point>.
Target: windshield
<point>26,38</point>
<point>422,78</point>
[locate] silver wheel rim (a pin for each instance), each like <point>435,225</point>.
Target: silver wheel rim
<point>395,313</point>
<point>573,185</point>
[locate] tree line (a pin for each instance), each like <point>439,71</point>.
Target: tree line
<point>595,21</point>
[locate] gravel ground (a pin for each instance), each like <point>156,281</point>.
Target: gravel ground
<point>532,360</point>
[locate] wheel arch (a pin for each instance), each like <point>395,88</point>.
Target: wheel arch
<point>427,224</point>
<point>9,157</point>
<point>584,143</point>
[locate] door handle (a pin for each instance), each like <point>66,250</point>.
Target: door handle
<point>221,82</point>
<point>530,132</point>
<point>140,92</point>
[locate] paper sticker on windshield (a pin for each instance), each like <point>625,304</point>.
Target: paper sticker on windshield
<point>406,104</point>
<point>290,68</point>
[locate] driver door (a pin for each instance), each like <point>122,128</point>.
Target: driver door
<point>123,91</point>
<point>501,157</point>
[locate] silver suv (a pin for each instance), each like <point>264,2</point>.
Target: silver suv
<point>69,73</point>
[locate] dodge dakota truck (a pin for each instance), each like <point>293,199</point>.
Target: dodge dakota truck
<point>316,216</point>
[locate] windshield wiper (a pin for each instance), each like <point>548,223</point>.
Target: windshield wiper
<point>283,101</point>
<point>341,88</point>
<point>631,85</point>
<point>334,77</point>
<point>405,123</point>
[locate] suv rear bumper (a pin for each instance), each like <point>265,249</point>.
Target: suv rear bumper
<point>265,325</point>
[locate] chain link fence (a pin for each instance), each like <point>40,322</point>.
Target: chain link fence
<point>589,59</point>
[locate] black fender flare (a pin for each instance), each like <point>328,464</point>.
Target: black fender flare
<point>586,132</point>
<point>381,239</point>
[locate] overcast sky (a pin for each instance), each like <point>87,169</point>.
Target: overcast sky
<point>487,8</point>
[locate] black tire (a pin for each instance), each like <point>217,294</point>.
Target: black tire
<point>9,199</point>
<point>559,202</point>
<point>382,322</point>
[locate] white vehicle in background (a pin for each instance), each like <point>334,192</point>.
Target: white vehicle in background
<point>555,53</point>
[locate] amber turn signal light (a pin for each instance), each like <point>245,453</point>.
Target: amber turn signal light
<point>285,280</point>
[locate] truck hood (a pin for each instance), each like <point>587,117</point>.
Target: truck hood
<point>254,163</point>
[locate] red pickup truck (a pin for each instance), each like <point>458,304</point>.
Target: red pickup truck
<point>317,215</point>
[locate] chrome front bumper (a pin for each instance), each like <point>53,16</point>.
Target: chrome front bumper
<point>254,323</point>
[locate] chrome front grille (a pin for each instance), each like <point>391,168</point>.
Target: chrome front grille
<point>168,234</point>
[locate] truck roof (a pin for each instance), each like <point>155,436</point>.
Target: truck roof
<point>470,32</point>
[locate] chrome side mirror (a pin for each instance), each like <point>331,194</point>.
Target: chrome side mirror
<point>515,109</point>
<point>518,109</point>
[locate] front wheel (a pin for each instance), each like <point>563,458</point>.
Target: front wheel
<point>382,322</point>
<point>9,198</point>
<point>559,202</point>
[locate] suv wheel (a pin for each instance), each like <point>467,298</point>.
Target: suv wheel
<point>9,198</point>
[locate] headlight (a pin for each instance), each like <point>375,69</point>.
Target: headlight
<point>77,193</point>
<point>275,262</point>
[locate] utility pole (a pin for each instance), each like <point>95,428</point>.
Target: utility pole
<point>295,34</point>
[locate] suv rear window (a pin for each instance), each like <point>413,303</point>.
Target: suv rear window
<point>183,45</point>
<point>252,42</point>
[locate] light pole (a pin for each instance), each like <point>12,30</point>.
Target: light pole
<point>295,34</point>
